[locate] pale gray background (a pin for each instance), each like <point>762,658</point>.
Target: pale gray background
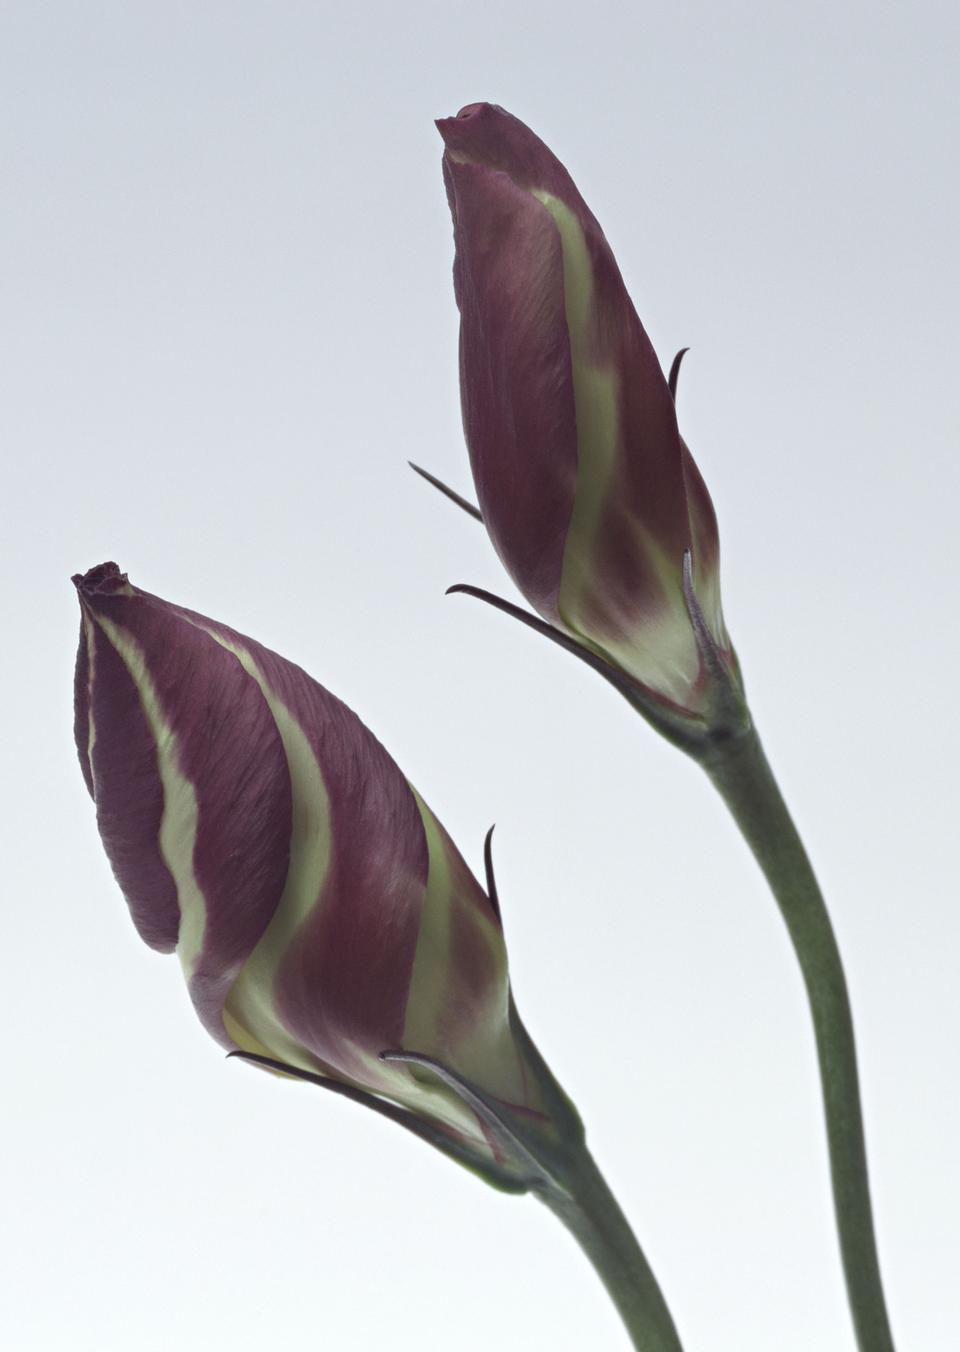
<point>228,321</point>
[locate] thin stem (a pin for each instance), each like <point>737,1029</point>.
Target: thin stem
<point>745,781</point>
<point>589,1210</point>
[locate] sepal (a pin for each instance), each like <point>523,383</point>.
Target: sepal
<point>689,732</point>
<point>425,1130</point>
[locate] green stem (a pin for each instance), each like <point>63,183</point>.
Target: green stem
<point>589,1210</point>
<point>745,781</point>
<point>547,1155</point>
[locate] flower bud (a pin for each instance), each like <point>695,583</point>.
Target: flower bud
<point>320,912</point>
<point>585,485</point>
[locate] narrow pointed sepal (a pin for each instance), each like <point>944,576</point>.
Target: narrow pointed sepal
<point>425,1131</point>
<point>683,729</point>
<point>514,1141</point>
<point>674,375</point>
<point>447,491</point>
<point>489,874</point>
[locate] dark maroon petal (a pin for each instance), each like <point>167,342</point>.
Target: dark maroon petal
<point>515,371</point>
<point>81,708</point>
<point>228,749</point>
<point>344,980</point>
<point>129,797</point>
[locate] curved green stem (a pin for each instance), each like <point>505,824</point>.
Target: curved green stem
<point>548,1156</point>
<point>740,771</point>
<point>589,1210</point>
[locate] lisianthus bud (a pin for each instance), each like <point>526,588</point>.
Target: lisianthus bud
<point>585,485</point>
<point>320,912</point>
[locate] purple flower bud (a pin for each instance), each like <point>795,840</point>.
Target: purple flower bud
<point>320,912</point>
<point>585,485</point>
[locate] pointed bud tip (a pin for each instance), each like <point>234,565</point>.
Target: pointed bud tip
<point>467,113</point>
<point>104,579</point>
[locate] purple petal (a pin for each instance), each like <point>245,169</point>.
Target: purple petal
<point>344,979</point>
<point>515,372</point>
<point>321,913</point>
<point>124,779</point>
<point>169,700</point>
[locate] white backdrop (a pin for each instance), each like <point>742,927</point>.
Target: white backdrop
<point>228,323</point>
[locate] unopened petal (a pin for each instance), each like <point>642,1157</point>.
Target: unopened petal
<point>189,772</point>
<point>632,504</point>
<point>516,376</point>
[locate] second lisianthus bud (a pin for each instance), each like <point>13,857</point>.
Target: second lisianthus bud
<point>585,485</point>
<point>322,915</point>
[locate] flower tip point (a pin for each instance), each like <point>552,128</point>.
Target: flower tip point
<point>104,578</point>
<point>448,126</point>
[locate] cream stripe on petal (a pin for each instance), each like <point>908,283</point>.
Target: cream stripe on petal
<point>595,398</point>
<point>484,1051</point>
<point>596,403</point>
<point>250,1015</point>
<point>178,824</point>
<point>430,978</point>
